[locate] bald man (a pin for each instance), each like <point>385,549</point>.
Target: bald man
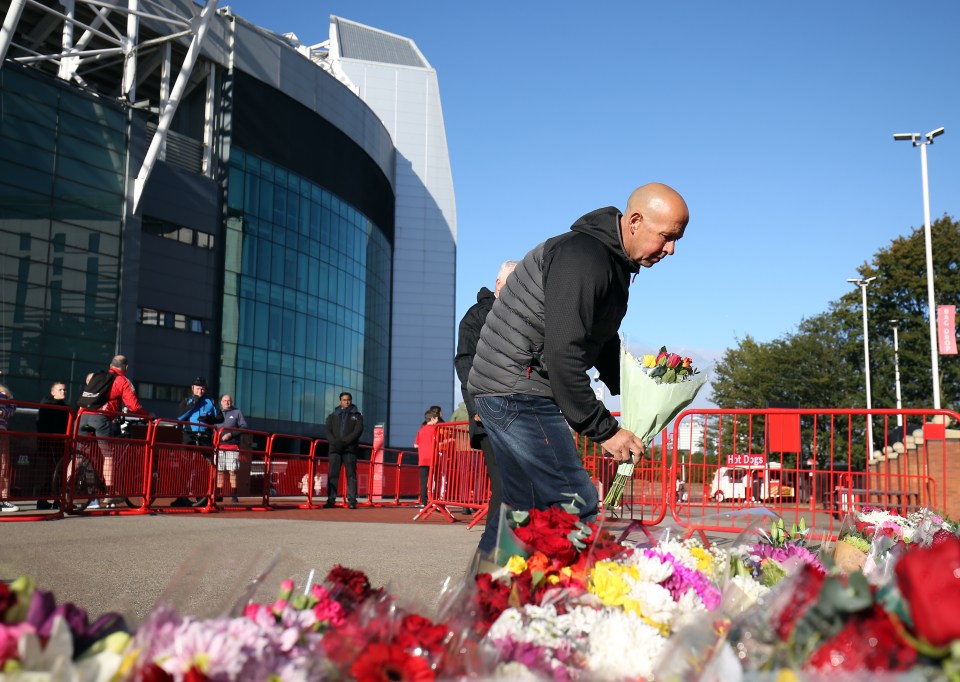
<point>557,316</point>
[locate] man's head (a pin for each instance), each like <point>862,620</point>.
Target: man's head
<point>226,401</point>
<point>199,387</point>
<point>59,390</point>
<point>654,219</point>
<point>505,270</point>
<point>346,400</point>
<point>119,362</point>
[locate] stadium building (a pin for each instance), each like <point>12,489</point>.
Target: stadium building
<point>213,199</point>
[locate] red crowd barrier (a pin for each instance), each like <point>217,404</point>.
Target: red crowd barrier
<point>392,477</point>
<point>242,470</point>
<point>458,477</point>
<point>289,465</point>
<point>30,462</point>
<point>716,472</point>
<point>644,496</point>
<point>799,464</point>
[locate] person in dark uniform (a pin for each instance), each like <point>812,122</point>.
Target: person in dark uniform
<point>344,427</point>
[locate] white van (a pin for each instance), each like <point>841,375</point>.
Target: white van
<point>748,483</point>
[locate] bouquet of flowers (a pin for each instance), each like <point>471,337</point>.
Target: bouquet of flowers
<point>834,625</point>
<point>43,640</point>
<point>342,629</point>
<point>653,392</point>
<point>871,539</point>
<point>576,604</point>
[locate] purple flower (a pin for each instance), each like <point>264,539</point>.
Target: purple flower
<point>44,610</point>
<point>684,579</point>
<point>784,554</point>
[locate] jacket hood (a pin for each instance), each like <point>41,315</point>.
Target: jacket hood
<point>484,295</point>
<point>604,225</point>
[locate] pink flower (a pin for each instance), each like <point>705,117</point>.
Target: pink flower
<point>9,637</point>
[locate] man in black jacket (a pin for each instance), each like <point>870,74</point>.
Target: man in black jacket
<point>467,336</point>
<point>344,427</point>
<point>558,316</point>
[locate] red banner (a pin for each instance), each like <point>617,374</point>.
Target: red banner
<point>376,456</point>
<point>947,329</point>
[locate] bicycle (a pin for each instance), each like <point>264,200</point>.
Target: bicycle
<point>84,482</point>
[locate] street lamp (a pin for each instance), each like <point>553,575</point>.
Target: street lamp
<point>896,373</point>
<point>863,283</point>
<point>922,141</point>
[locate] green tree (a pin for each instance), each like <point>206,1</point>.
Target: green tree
<point>459,414</point>
<point>820,365</point>
<point>900,293</point>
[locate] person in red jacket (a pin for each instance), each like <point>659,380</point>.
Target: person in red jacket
<point>102,424</point>
<point>426,445</point>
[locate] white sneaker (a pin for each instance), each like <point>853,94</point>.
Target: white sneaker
<point>94,504</point>
<point>8,507</point>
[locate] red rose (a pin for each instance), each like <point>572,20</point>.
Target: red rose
<point>562,521</point>
<point>417,631</point>
<point>929,580</point>
<point>790,605</point>
<point>868,641</point>
<point>492,599</point>
<point>558,548</point>
<point>152,672</point>
<point>385,662</point>
<point>194,675</point>
<point>7,600</point>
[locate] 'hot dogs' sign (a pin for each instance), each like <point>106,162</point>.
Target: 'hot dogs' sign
<point>746,460</point>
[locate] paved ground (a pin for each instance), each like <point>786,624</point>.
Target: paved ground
<point>203,562</point>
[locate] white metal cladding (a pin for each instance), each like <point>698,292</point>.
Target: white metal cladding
<point>366,44</point>
<point>407,99</point>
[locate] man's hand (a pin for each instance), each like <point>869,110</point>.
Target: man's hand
<point>624,446</point>
<point>476,418</point>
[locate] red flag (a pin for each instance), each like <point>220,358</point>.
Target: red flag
<point>947,329</point>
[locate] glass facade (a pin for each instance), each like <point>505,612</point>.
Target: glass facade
<point>62,164</point>
<point>306,309</point>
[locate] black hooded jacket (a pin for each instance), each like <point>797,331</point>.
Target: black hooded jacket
<point>558,316</point>
<point>468,334</point>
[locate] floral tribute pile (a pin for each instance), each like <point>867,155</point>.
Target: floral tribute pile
<point>571,602</point>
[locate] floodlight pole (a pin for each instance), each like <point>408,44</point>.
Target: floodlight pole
<point>922,141</point>
<point>863,283</point>
<point>896,373</point>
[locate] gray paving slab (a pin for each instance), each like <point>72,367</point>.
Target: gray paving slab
<point>202,563</point>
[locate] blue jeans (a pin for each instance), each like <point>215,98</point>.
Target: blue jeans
<point>538,461</point>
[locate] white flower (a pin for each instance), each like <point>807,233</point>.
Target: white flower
<point>623,647</point>
<point>655,601</point>
<point>515,671</point>
<point>651,569</point>
<point>741,593</point>
<point>54,662</point>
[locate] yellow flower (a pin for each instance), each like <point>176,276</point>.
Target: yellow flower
<point>784,675</point>
<point>704,560</point>
<point>649,360</point>
<point>606,581</point>
<point>516,564</point>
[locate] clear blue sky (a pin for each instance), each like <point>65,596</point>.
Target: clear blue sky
<point>773,119</point>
